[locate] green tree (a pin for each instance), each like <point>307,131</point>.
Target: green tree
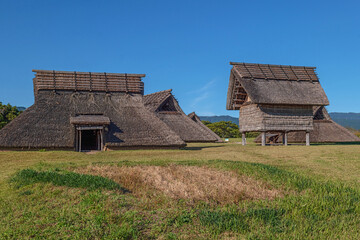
<point>224,129</point>
<point>7,114</point>
<point>206,122</point>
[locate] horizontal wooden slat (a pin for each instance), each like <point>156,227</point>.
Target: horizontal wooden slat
<point>82,81</point>
<point>276,72</point>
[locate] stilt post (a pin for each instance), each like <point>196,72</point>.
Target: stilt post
<point>307,139</point>
<point>243,138</point>
<point>285,139</point>
<point>263,138</point>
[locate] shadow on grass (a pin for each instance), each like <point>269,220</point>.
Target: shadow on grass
<point>199,148</point>
<point>68,179</point>
<point>337,143</point>
<point>312,144</point>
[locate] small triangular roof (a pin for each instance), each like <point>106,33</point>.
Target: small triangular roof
<point>197,119</point>
<point>155,100</point>
<point>167,108</point>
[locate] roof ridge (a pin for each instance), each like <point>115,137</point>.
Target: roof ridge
<point>93,73</point>
<point>270,65</point>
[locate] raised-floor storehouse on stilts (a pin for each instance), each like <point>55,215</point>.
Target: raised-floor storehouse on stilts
<point>274,98</point>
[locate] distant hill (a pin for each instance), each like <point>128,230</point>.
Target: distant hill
<point>351,120</point>
<point>220,118</point>
<point>21,108</point>
<point>347,119</point>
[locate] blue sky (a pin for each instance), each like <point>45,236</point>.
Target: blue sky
<point>183,45</point>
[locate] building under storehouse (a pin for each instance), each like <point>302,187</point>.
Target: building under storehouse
<point>167,108</point>
<point>87,111</point>
<point>325,131</point>
<point>274,98</point>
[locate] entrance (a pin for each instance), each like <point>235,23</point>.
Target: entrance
<point>89,139</point>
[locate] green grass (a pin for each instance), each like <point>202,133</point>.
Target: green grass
<point>41,196</point>
<point>68,179</point>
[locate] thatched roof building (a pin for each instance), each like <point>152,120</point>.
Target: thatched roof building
<point>196,119</point>
<point>325,131</point>
<point>274,97</point>
<point>167,108</point>
<point>87,111</point>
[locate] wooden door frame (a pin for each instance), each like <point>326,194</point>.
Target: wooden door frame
<point>100,134</point>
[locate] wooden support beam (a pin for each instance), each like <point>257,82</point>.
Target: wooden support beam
<point>285,139</point>
<point>241,94</point>
<point>80,133</point>
<point>263,138</point>
<point>76,140</point>
<point>307,139</point>
<point>102,139</point>
<point>243,138</point>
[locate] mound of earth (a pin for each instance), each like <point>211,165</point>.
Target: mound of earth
<point>187,182</point>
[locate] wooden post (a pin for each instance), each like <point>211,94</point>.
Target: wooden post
<point>101,139</point>
<point>285,139</point>
<point>98,147</point>
<point>243,138</point>
<point>76,139</point>
<point>80,140</point>
<point>263,138</point>
<point>307,139</point>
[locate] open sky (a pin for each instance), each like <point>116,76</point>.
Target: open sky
<point>183,45</point>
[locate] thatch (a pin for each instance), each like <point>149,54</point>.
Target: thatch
<point>47,123</point>
<point>274,84</point>
<point>325,131</point>
<point>196,119</point>
<point>167,108</point>
<point>266,117</point>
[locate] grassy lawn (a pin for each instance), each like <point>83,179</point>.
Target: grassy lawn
<point>204,191</point>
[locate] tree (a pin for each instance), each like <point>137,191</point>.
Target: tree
<point>206,122</point>
<point>224,129</point>
<point>7,114</point>
<point>228,129</point>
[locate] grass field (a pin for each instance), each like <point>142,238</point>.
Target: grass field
<point>205,191</point>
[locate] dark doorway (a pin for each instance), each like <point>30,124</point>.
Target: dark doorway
<point>90,140</point>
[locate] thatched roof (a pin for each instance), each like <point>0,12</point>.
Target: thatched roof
<point>325,130</point>
<point>47,123</point>
<point>156,100</point>
<point>167,108</point>
<point>274,84</point>
<point>196,119</point>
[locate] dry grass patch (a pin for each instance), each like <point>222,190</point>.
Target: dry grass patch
<point>187,182</point>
